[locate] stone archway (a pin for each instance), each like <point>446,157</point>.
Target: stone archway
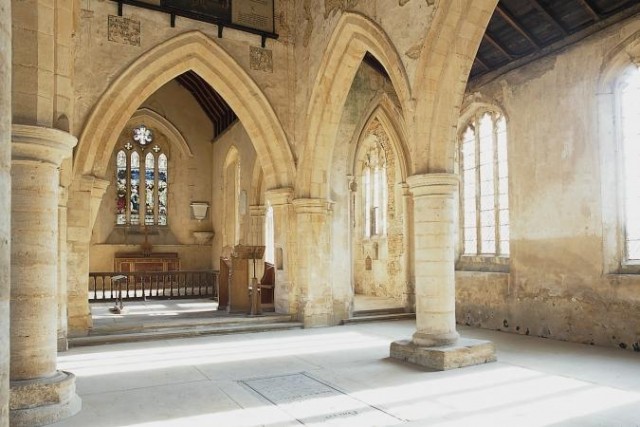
<point>191,51</point>
<point>353,37</point>
<point>380,263</point>
<point>443,68</point>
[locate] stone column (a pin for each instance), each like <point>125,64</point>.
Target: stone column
<point>85,196</point>
<point>39,393</point>
<point>408,258</point>
<point>62,270</point>
<point>285,292</point>
<point>5,206</point>
<point>313,261</point>
<point>436,342</point>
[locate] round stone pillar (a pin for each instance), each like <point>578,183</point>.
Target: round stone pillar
<point>436,343</point>
<point>434,213</point>
<point>39,393</point>
<point>5,206</point>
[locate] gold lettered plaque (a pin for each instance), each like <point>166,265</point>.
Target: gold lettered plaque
<point>256,14</point>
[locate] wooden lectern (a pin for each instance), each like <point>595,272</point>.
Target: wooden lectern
<point>239,288</point>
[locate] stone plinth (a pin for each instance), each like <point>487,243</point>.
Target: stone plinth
<point>464,352</point>
<point>39,394</point>
<point>44,401</point>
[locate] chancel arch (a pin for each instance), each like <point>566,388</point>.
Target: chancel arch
<point>191,51</point>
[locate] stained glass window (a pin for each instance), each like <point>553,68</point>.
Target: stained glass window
<point>485,188</point>
<point>141,184</point>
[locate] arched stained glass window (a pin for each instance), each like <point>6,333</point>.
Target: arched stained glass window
<point>485,186</point>
<point>153,172</point>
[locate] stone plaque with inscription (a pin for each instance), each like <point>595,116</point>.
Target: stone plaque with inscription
<point>124,30</point>
<point>256,14</point>
<point>261,59</point>
<point>311,401</point>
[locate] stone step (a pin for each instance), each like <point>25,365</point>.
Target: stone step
<point>182,332</point>
<point>378,311</point>
<point>379,317</point>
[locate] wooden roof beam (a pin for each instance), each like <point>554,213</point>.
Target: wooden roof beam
<point>540,8</point>
<point>586,5</point>
<point>511,20</point>
<point>498,46</point>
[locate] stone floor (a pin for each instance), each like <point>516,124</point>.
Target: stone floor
<point>343,376</point>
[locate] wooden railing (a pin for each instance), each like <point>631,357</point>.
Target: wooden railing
<point>105,286</point>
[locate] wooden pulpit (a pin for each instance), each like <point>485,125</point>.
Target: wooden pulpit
<point>239,289</point>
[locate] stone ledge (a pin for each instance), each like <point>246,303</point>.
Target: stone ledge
<point>464,352</point>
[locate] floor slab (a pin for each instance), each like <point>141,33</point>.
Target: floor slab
<point>206,381</point>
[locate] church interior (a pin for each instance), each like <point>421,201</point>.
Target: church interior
<point>319,212</point>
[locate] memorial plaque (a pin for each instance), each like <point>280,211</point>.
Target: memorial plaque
<point>124,30</point>
<point>256,14</point>
<point>261,59</point>
<point>310,401</point>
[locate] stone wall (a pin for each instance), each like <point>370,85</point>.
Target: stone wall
<point>561,282</point>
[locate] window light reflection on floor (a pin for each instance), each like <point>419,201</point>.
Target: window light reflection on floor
<point>105,363</point>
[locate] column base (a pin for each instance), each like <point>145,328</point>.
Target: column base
<point>464,352</point>
<point>43,401</point>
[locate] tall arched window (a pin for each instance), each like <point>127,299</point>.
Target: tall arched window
<point>485,187</point>
<point>629,104</point>
<point>138,160</point>
<point>374,190</point>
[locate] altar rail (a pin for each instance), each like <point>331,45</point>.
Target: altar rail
<point>153,284</point>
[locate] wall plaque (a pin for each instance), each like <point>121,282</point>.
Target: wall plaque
<point>261,59</point>
<point>256,14</point>
<point>124,30</point>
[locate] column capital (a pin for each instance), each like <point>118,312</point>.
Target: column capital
<point>279,196</point>
<point>434,184</point>
<point>41,144</point>
<point>313,206</point>
<point>257,210</point>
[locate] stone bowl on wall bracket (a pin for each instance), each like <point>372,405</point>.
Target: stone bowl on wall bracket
<point>203,237</point>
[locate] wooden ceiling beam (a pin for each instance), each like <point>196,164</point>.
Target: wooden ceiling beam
<point>543,10</point>
<point>511,20</point>
<point>586,5</point>
<point>498,46</point>
<point>481,63</point>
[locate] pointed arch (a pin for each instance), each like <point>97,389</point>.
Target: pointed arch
<point>444,64</point>
<point>384,111</point>
<point>353,36</point>
<point>196,52</point>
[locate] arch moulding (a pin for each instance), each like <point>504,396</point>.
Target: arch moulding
<point>383,110</point>
<point>353,36</point>
<point>443,68</point>
<point>196,52</point>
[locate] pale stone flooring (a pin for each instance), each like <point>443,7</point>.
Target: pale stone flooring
<point>343,376</point>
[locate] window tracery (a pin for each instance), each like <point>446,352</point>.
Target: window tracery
<point>485,188</point>
<point>131,173</point>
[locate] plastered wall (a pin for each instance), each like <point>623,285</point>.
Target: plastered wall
<point>560,284</point>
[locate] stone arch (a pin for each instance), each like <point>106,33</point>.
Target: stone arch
<point>384,111</point>
<point>444,65</point>
<point>625,55</point>
<point>196,52</point>
<point>353,36</point>
<point>150,117</point>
